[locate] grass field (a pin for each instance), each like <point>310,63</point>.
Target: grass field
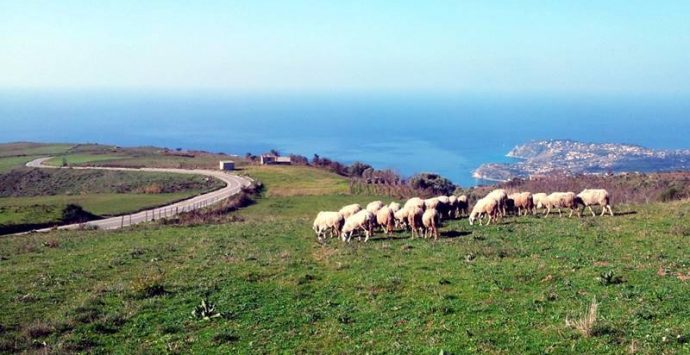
<point>506,288</point>
<point>15,155</point>
<point>48,209</point>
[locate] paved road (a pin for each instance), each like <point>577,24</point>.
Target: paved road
<point>233,186</point>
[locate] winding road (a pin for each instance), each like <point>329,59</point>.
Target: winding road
<point>234,185</point>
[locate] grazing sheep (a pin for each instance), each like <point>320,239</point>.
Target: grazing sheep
<point>522,201</point>
<point>385,219</point>
<point>414,219</point>
<point>561,200</point>
<point>452,206</point>
<point>443,206</point>
<point>487,206</point>
<point>593,197</point>
<point>431,203</point>
<point>430,221</point>
<point>414,202</point>
<point>501,196</point>
<point>363,220</point>
<point>349,210</point>
<point>538,200</point>
<point>374,206</point>
<point>328,221</point>
<point>394,206</point>
<point>401,218</point>
<point>462,205</point>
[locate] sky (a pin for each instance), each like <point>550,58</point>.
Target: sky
<point>591,47</point>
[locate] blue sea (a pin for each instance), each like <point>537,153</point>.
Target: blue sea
<point>447,134</point>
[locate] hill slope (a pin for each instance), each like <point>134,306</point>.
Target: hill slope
<point>498,289</point>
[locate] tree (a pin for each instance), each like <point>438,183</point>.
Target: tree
<point>433,182</point>
<point>357,169</point>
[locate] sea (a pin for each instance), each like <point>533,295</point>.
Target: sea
<point>408,132</point>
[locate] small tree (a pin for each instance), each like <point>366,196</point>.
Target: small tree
<point>433,182</point>
<point>64,161</point>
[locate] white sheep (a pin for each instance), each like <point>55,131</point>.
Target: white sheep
<point>374,206</point>
<point>394,206</point>
<point>414,202</point>
<point>349,210</point>
<point>594,197</point>
<point>522,201</point>
<point>430,221</point>
<point>461,205</point>
<point>561,200</point>
<point>401,218</point>
<point>486,206</point>
<point>385,219</point>
<point>452,206</point>
<point>363,220</point>
<point>501,196</point>
<point>328,221</point>
<point>414,219</point>
<point>431,203</point>
<point>539,201</point>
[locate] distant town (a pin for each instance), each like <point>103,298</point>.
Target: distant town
<point>548,157</point>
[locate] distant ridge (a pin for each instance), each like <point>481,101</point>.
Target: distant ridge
<point>546,157</point>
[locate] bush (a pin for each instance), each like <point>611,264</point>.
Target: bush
<point>149,284</point>
<point>435,183</point>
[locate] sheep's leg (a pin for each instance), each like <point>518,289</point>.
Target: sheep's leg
<point>610,210</point>
<point>571,213</point>
<point>548,210</point>
<point>591,210</point>
<point>559,212</point>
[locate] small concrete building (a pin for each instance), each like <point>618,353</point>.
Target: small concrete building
<point>267,159</point>
<point>227,165</point>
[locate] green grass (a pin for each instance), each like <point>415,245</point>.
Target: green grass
<point>298,180</point>
<point>81,159</point>
<point>506,288</point>
<point>16,155</point>
<point>47,209</point>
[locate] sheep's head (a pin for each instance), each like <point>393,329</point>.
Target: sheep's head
<point>473,217</point>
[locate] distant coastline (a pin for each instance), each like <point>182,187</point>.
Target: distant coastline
<point>547,157</point>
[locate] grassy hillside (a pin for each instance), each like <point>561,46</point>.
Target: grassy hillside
<point>33,198</point>
<point>15,155</point>
<point>507,288</point>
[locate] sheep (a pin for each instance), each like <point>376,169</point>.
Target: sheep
<point>452,206</point>
<point>401,218</point>
<point>414,219</point>
<point>363,220</point>
<point>394,206</point>
<point>374,206</point>
<point>561,200</point>
<point>414,202</point>
<point>591,197</point>
<point>522,201</point>
<point>461,205</point>
<point>538,200</point>
<point>443,207</point>
<point>429,220</point>
<point>501,197</point>
<point>349,210</point>
<point>328,221</point>
<point>385,219</point>
<point>431,203</point>
<point>486,206</point>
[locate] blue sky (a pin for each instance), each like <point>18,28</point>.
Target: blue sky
<point>590,47</point>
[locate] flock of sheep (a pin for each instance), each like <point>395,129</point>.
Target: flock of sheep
<point>423,216</point>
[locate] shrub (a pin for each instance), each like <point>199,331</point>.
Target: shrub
<point>585,325</point>
<point>149,284</point>
<point>205,310</point>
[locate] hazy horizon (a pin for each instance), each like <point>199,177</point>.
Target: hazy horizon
<point>566,48</point>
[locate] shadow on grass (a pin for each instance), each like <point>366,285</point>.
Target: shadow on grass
<point>454,234</point>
